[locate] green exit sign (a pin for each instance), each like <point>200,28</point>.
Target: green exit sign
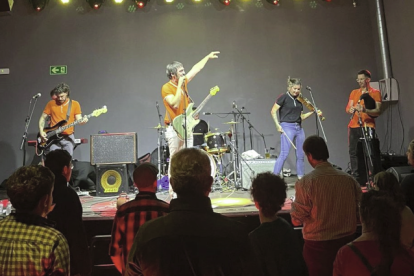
<point>58,70</point>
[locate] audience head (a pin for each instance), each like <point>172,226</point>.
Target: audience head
<point>387,182</point>
<point>269,193</point>
<point>60,163</point>
<point>315,149</point>
<point>410,153</point>
<point>191,172</point>
<point>145,177</point>
<point>30,189</point>
<point>381,216</point>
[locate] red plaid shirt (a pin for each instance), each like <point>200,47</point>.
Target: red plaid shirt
<point>129,217</point>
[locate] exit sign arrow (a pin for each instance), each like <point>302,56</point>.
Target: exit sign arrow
<point>58,70</point>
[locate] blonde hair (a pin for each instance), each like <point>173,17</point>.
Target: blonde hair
<point>411,146</point>
<point>293,81</point>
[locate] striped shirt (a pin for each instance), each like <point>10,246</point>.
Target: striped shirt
<point>129,217</point>
<point>30,246</point>
<point>326,203</point>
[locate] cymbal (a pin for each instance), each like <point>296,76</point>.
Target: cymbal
<point>158,127</point>
<point>231,123</point>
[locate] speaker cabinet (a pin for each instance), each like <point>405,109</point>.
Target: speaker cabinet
<point>253,167</point>
<point>111,180</point>
<point>401,172</point>
<point>114,148</point>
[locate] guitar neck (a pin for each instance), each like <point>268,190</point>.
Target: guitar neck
<point>201,105</point>
<point>63,128</point>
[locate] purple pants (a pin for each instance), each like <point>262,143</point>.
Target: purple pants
<point>296,134</point>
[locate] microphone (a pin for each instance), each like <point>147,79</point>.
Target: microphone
<point>308,88</point>
<point>156,104</point>
<point>234,105</point>
<point>207,113</point>
<point>38,95</point>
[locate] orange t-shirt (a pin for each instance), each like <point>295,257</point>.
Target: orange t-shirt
<point>57,113</point>
<point>366,119</point>
<point>169,89</point>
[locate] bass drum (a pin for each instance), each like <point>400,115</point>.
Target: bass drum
<point>212,165</point>
<point>165,158</point>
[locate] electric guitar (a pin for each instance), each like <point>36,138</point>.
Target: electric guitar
<point>53,132</point>
<point>178,122</point>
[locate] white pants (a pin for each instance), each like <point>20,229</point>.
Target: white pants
<point>175,144</point>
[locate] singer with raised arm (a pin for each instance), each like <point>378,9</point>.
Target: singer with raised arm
<point>60,109</point>
<point>289,125</point>
<point>364,106</point>
<point>176,99</point>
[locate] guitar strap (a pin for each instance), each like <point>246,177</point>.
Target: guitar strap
<point>69,108</point>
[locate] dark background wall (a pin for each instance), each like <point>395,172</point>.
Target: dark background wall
<point>117,58</point>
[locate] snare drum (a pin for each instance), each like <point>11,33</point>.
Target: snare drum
<point>215,143</point>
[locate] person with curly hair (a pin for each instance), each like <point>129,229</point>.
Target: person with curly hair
<point>274,241</point>
<point>29,243</point>
<point>378,251</point>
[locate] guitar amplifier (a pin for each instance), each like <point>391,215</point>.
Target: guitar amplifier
<point>114,148</point>
<point>254,167</point>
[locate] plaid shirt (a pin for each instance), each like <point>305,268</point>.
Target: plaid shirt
<point>129,217</point>
<point>30,246</point>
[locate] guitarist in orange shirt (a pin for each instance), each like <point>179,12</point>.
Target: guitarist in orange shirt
<point>61,108</point>
<point>176,99</point>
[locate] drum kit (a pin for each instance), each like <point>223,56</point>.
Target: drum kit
<point>216,144</point>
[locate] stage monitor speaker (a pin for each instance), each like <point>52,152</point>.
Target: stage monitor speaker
<point>114,148</point>
<point>258,166</point>
<point>111,180</point>
<point>401,172</point>
<point>392,160</point>
<point>6,5</point>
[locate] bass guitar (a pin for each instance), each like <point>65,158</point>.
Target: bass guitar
<point>53,132</point>
<point>191,122</point>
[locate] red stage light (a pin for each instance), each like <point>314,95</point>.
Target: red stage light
<point>275,2</point>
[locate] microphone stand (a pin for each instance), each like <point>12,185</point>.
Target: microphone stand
<point>250,127</point>
<point>27,121</point>
<point>160,132</point>
<point>318,117</point>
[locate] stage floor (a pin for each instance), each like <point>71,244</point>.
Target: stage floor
<point>229,202</point>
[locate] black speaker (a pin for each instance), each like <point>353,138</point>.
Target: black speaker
<point>83,175</point>
<point>253,167</point>
<point>392,160</point>
<point>6,5</point>
<point>111,180</point>
<point>114,148</point>
<point>401,172</point>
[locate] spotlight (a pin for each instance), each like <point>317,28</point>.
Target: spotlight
<point>354,3</point>
<point>141,3</point>
<point>225,2</point>
<point>64,1</point>
<point>39,5</point>
<point>118,1</point>
<point>95,4</point>
<point>273,2</point>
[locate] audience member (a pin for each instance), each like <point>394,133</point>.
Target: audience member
<point>274,241</point>
<point>386,182</point>
<point>191,239</point>
<point>131,215</point>
<point>326,204</point>
<point>67,213</point>
<point>378,251</point>
<point>29,245</point>
<point>407,185</point>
